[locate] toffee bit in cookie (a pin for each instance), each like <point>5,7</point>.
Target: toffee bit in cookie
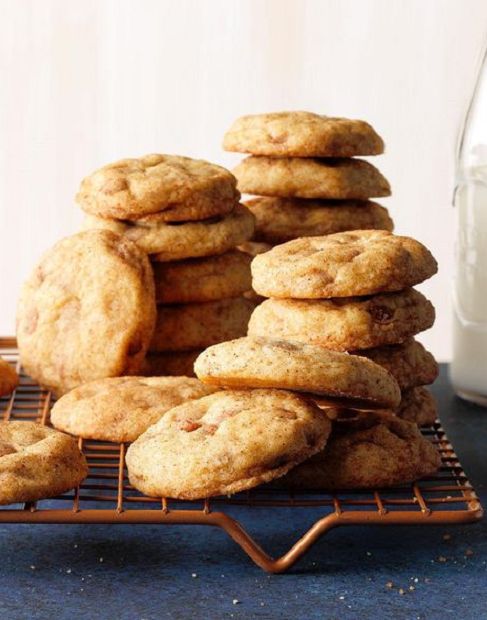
<point>381,314</point>
<point>189,426</point>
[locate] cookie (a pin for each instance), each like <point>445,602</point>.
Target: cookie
<point>206,238</point>
<point>370,451</point>
<point>224,443</point>
<point>87,311</point>
<point>172,364</point>
<point>281,219</point>
<point>173,187</point>
<point>419,406</point>
<point>187,327</point>
<point>409,363</point>
<point>347,264</point>
<point>37,462</point>
<point>203,279</point>
<point>168,241</point>
<point>120,409</point>
<point>9,379</point>
<point>344,324</point>
<point>310,178</point>
<point>263,363</point>
<point>302,134</point>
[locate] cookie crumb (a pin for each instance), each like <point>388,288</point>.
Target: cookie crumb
<point>468,553</point>
<point>401,591</point>
<point>389,585</point>
<point>194,575</point>
<point>446,536</point>
<point>236,601</point>
<point>101,560</point>
<point>68,571</point>
<point>441,558</point>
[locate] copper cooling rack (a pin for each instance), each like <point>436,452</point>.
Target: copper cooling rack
<point>106,496</point>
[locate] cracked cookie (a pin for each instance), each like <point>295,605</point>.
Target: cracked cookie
<point>296,177</point>
<point>344,324</point>
<point>37,462</point>
<point>120,409</point>
<point>171,241</point>
<point>409,363</point>
<point>203,279</point>
<point>226,442</point>
<point>160,188</point>
<point>86,312</point>
<point>302,134</point>
<point>187,327</point>
<point>278,220</point>
<point>346,264</point>
<point>368,451</point>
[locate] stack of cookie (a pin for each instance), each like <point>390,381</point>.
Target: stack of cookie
<point>185,214</point>
<point>352,292</point>
<point>238,438</point>
<point>332,296</point>
<point>303,168</point>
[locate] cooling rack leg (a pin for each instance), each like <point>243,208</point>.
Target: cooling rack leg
<point>260,557</point>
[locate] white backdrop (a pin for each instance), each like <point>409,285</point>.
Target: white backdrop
<point>84,83</point>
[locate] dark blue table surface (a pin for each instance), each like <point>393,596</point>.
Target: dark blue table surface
<point>149,572</point>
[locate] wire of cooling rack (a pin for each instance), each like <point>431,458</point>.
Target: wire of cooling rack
<point>106,496</point>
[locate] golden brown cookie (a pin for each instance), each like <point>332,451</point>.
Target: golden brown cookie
<point>187,327</point>
<point>168,241</point>
<point>87,311</point>
<point>224,443</point>
<point>346,264</point>
<point>302,134</point>
<point>206,238</point>
<point>281,219</point>
<point>172,364</point>
<point>264,363</point>
<point>344,324</point>
<point>9,379</point>
<point>37,462</point>
<point>418,405</point>
<point>203,279</point>
<point>120,409</point>
<point>173,187</point>
<point>310,178</point>
<point>409,363</point>
<point>370,451</point>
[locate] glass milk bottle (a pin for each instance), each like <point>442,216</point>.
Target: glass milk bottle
<point>469,364</point>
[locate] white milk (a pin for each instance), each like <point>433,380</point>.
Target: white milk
<point>469,366</point>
